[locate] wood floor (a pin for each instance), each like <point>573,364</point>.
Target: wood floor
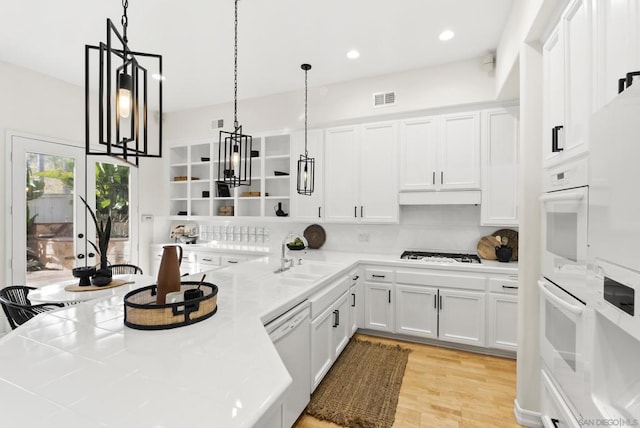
<point>445,388</point>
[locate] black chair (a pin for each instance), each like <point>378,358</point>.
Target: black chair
<point>18,308</point>
<point>125,269</point>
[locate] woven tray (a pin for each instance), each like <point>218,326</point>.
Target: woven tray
<point>79,288</point>
<point>141,311</point>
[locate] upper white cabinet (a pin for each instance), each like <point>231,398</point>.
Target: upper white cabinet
<point>499,167</point>
<point>567,84</point>
<point>440,152</point>
<point>617,45</point>
<point>308,207</point>
<point>360,173</point>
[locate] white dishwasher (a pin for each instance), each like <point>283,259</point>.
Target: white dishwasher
<point>290,335</point>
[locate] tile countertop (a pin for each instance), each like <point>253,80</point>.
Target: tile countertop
<point>80,366</point>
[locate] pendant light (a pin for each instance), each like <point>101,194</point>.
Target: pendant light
<point>234,149</point>
<point>122,97</point>
<point>306,165</point>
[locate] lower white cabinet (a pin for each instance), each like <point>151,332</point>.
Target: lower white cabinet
<point>330,328</point>
<point>461,316</point>
<point>417,310</point>
<point>502,316</point>
<point>273,418</point>
<point>355,304</point>
<point>379,304</point>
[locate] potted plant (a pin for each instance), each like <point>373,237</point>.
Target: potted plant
<point>103,231</point>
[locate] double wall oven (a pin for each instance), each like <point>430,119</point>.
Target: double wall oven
<point>564,316</point>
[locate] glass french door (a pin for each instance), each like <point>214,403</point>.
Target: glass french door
<point>48,219</point>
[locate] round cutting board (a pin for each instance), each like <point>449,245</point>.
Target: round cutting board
<point>487,247</point>
<point>315,236</point>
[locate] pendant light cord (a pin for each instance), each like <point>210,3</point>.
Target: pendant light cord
<point>235,72</point>
<point>125,20</point>
<point>306,153</point>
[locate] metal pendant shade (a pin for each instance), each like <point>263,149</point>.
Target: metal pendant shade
<point>306,165</point>
<point>234,149</point>
<point>127,89</point>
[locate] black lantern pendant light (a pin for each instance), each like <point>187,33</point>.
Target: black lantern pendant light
<point>306,165</point>
<point>123,98</point>
<point>234,150</point>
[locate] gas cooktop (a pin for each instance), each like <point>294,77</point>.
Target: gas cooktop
<point>432,257</point>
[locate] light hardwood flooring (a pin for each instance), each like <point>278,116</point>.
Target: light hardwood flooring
<point>445,388</point>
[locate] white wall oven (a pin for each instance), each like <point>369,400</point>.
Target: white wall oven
<point>565,348</point>
<point>565,227</point>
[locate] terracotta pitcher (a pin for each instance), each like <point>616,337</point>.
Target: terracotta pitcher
<point>169,272</point>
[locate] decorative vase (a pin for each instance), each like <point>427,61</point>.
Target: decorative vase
<point>169,272</point>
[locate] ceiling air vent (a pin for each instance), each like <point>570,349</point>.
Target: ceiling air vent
<point>384,99</point>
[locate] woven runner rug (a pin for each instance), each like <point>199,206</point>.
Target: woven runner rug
<point>361,389</point>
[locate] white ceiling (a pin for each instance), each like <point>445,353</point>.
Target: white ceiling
<point>195,38</point>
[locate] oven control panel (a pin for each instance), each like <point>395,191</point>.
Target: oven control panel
<point>566,176</point>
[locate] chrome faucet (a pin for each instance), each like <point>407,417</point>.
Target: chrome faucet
<point>283,256</point>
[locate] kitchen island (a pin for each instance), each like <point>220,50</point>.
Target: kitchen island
<point>80,366</point>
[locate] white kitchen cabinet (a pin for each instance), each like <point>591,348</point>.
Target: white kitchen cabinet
<point>461,316</point>
<point>567,75</point>
<point>617,46</point>
<point>440,152</point>
<point>330,327</point>
<point>416,310</point>
<point>355,304</point>
<point>361,173</point>
<point>379,304</point>
<point>308,207</point>
<point>502,316</point>
<point>500,167</point>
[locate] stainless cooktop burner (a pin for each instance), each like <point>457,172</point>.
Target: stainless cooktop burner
<point>439,257</point>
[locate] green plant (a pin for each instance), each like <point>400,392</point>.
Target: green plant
<point>103,232</point>
<point>112,192</point>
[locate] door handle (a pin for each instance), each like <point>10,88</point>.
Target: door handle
<point>81,256</point>
<point>335,318</point>
<point>361,211</point>
<point>355,211</point>
<point>555,422</point>
<point>91,255</point>
<point>627,81</point>
<point>319,216</point>
<point>434,178</point>
<point>353,303</point>
<point>389,296</point>
<point>440,298</point>
<point>554,139</point>
<point>435,302</point>
<point>441,177</point>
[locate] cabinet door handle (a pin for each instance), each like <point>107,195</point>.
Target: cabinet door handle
<point>353,302</point>
<point>319,212</point>
<point>510,287</point>
<point>389,296</point>
<point>335,318</point>
<point>440,298</point>
<point>555,147</point>
<point>434,178</point>
<point>361,211</point>
<point>377,276</point>
<point>355,277</point>
<point>622,85</point>
<point>555,422</point>
<point>355,211</point>
<point>441,177</point>
<point>435,302</point>
<point>627,81</point>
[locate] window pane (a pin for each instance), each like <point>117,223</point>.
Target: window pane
<point>112,199</point>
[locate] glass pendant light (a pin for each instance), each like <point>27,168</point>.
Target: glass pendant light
<point>306,164</point>
<point>234,149</point>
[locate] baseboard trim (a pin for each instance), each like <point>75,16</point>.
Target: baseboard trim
<point>526,417</point>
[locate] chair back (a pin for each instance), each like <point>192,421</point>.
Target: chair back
<point>17,307</point>
<point>121,269</point>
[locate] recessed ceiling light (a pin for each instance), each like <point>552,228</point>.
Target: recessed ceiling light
<point>157,76</point>
<point>353,54</point>
<point>446,35</point>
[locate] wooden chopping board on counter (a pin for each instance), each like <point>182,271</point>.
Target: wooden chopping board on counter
<point>487,244</point>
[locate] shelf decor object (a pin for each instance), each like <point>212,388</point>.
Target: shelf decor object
<point>126,90</point>
<point>306,165</point>
<point>234,149</point>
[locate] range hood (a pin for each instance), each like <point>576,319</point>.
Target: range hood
<point>459,197</point>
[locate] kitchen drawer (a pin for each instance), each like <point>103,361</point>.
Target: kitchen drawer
<point>379,275</point>
<point>450,280</point>
<point>554,411</point>
<point>226,260</point>
<point>209,260</point>
<point>507,285</point>
<point>325,298</point>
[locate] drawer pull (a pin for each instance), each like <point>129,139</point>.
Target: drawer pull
<point>510,287</point>
<point>355,277</point>
<point>232,261</point>
<point>207,260</point>
<point>378,276</point>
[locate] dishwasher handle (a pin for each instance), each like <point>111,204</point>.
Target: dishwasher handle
<point>289,325</point>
